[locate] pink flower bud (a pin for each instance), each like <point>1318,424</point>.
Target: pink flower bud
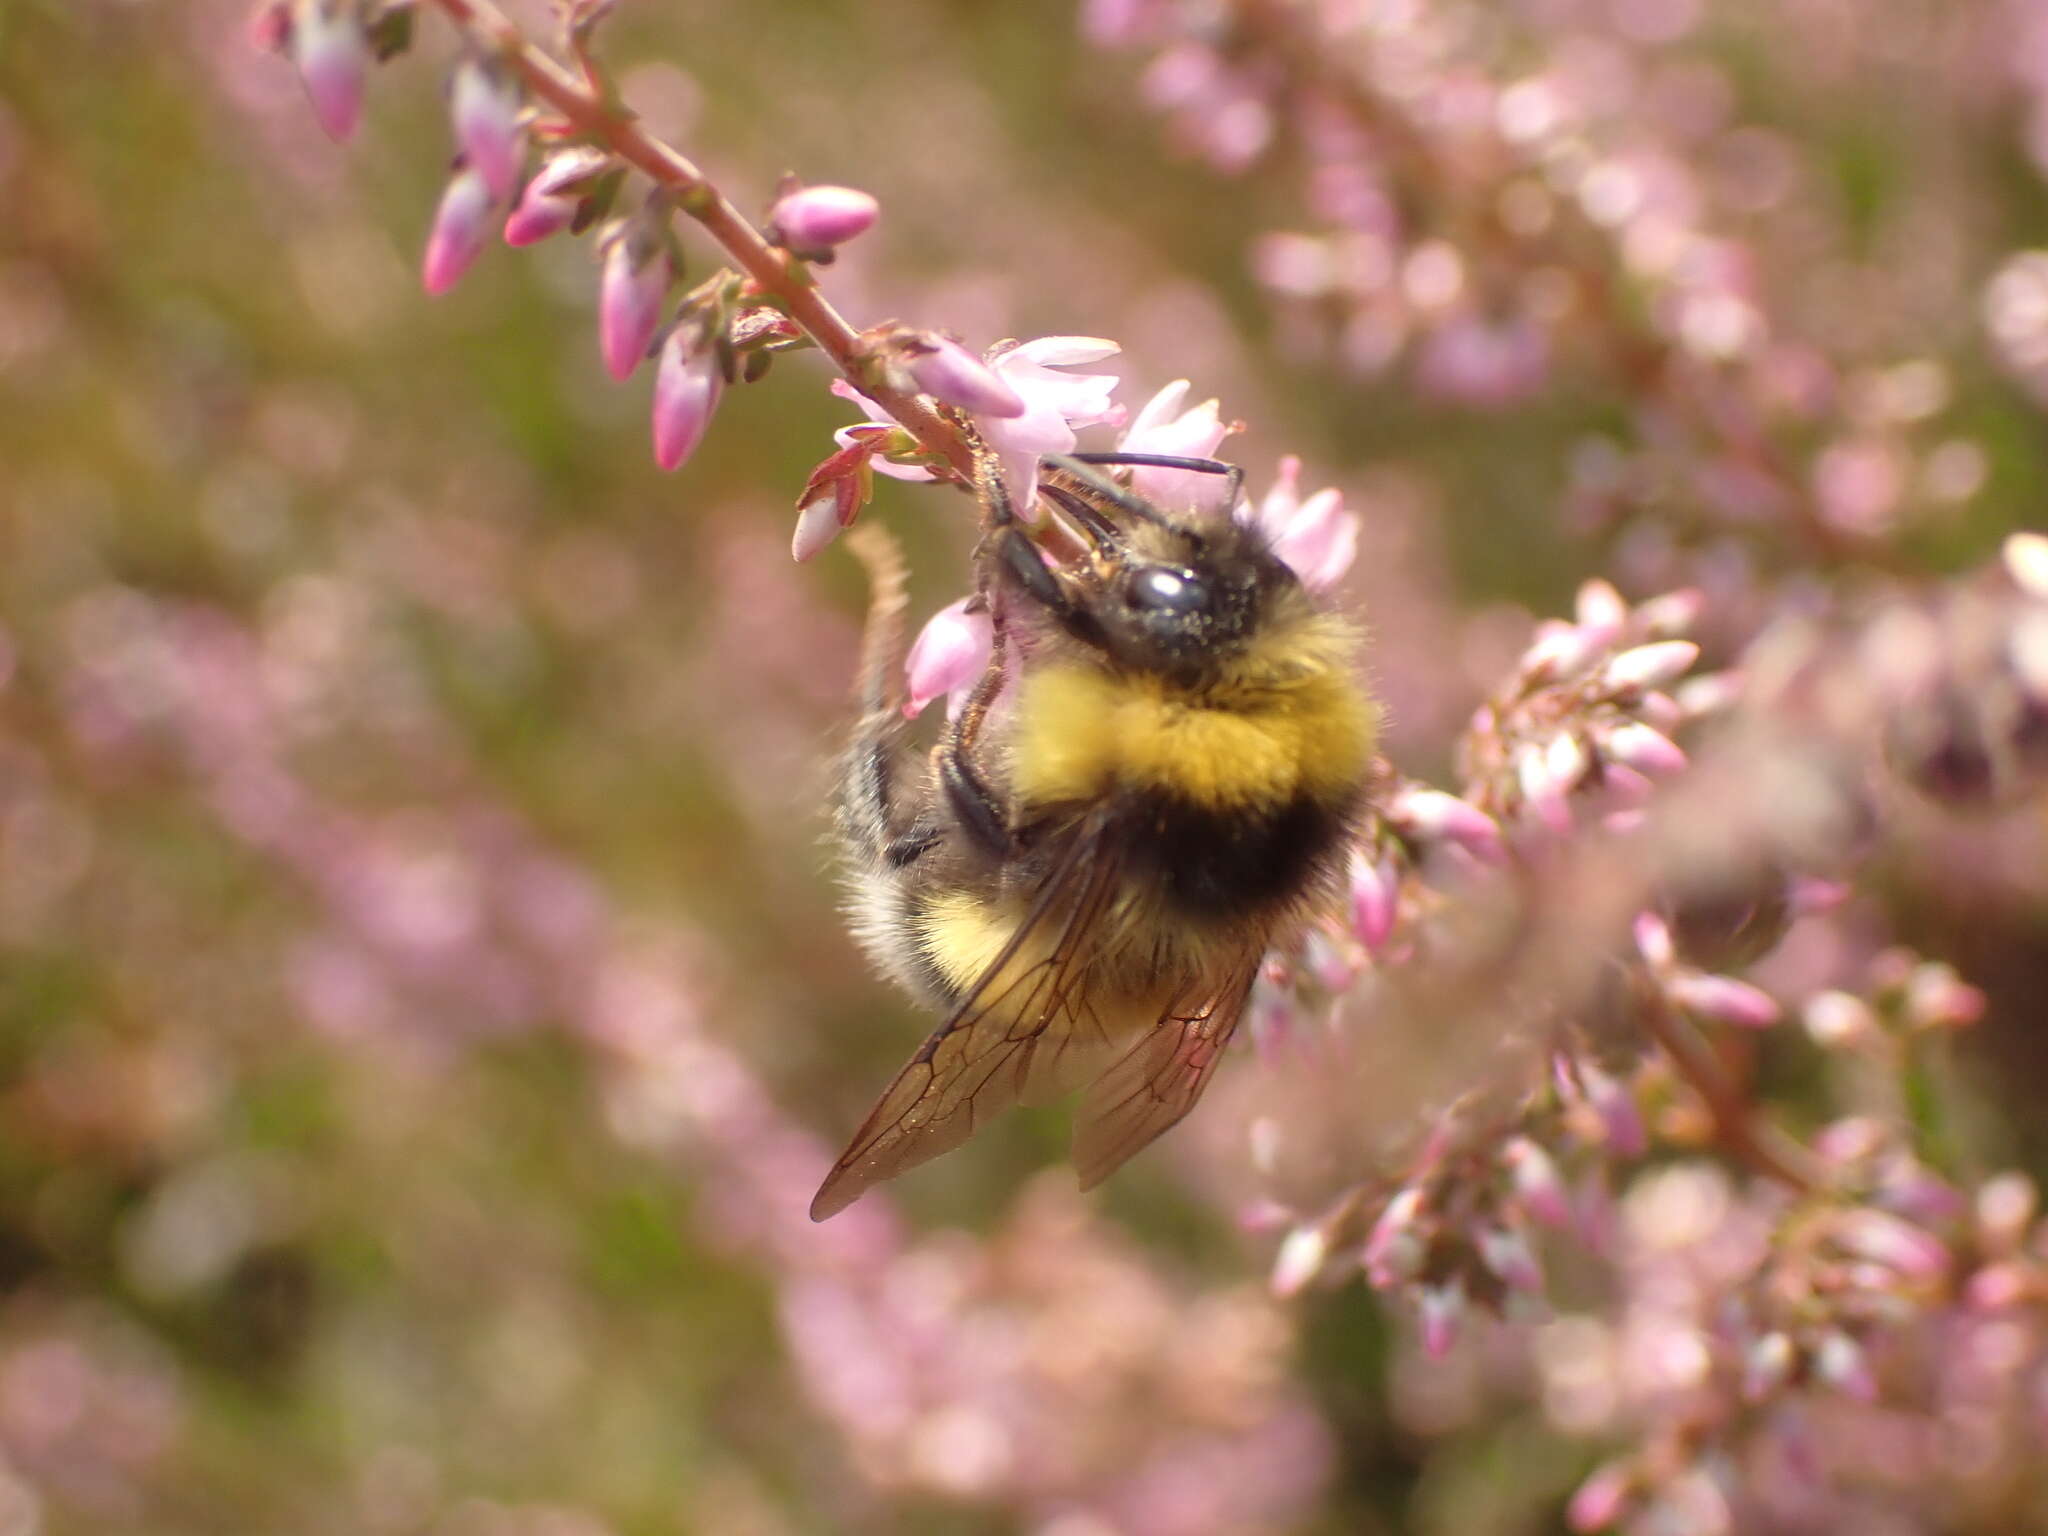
<point>947,371</point>
<point>637,271</point>
<point>1839,1361</point>
<point>484,107</point>
<point>1443,1309</point>
<point>1653,941</point>
<point>1508,1254</point>
<point>1538,1188</point>
<point>460,228</point>
<point>817,524</point>
<point>1885,1239</point>
<point>1395,1248</point>
<point>687,385</point>
<point>1600,1499</point>
<point>2026,561</point>
<point>1637,746</point>
<point>1996,1287</point>
<point>1937,998</point>
<point>1599,608</point>
<point>1837,1020</point>
<point>1563,650</point>
<point>1767,1365</point>
<point>1615,1103</point>
<point>2006,1204</point>
<point>1430,816</point>
<point>818,218</point>
<point>549,203</point>
<point>1725,999</point>
<point>1375,897</point>
<point>333,55</point>
<point>1645,667</point>
<point>270,26</point>
<point>1544,791</point>
<point>1670,614</point>
<point>950,654</point>
<point>1302,1255</point>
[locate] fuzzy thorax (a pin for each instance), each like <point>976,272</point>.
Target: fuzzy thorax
<point>1287,722</point>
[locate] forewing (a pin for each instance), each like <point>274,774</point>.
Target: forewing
<point>1159,1078</point>
<point>1020,1032</point>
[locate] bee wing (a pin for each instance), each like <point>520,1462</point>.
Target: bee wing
<point>1023,1036</point>
<point>1159,1078</point>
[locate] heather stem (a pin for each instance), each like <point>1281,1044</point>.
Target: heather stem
<point>1751,1140</point>
<point>772,270</point>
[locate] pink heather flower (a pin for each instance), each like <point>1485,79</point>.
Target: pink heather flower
<point>637,272</point>
<point>1836,1020</point>
<point>1653,941</point>
<point>459,231</point>
<point>1443,1309</point>
<point>818,218</point>
<point>549,203</point>
<point>1300,1259</point>
<point>1885,1239</point>
<point>1670,614</point>
<point>1430,815</point>
<point>333,55</point>
<point>687,385</point>
<point>1637,746</point>
<point>1508,1254</point>
<point>2006,1204</point>
<point>1563,650</point>
<point>1840,1362</point>
<point>817,525</point>
<point>1375,897</point>
<point>1395,1249</point>
<point>1767,1366</point>
<point>1615,1103</point>
<point>1317,539</point>
<point>483,106</point>
<point>2026,562</point>
<point>1161,426</point>
<point>1725,999</point>
<point>948,656</point>
<point>1599,607</point>
<point>1600,1499</point>
<point>1998,1286</point>
<point>1055,403</point>
<point>1472,362</point>
<point>1647,667</point>
<point>270,26</point>
<point>1538,1188</point>
<point>947,371</point>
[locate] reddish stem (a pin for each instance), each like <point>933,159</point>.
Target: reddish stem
<point>774,271</point>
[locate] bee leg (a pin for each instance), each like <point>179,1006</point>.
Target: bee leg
<point>977,807</point>
<point>981,815</point>
<point>1078,465</point>
<point>870,816</point>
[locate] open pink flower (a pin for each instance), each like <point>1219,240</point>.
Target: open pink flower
<point>1163,427</point>
<point>948,657</point>
<point>1317,538</point>
<point>1055,404</point>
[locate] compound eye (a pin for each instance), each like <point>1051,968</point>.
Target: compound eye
<point>1166,589</point>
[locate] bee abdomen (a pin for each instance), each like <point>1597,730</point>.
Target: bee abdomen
<point>1216,865</point>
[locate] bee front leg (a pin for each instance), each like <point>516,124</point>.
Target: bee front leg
<point>979,810</point>
<point>873,815</point>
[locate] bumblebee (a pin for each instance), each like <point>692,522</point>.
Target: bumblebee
<point>1157,772</point>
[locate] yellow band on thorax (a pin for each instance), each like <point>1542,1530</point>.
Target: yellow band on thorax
<point>1245,744</point>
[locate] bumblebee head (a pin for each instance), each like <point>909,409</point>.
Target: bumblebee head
<point>1176,595</point>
